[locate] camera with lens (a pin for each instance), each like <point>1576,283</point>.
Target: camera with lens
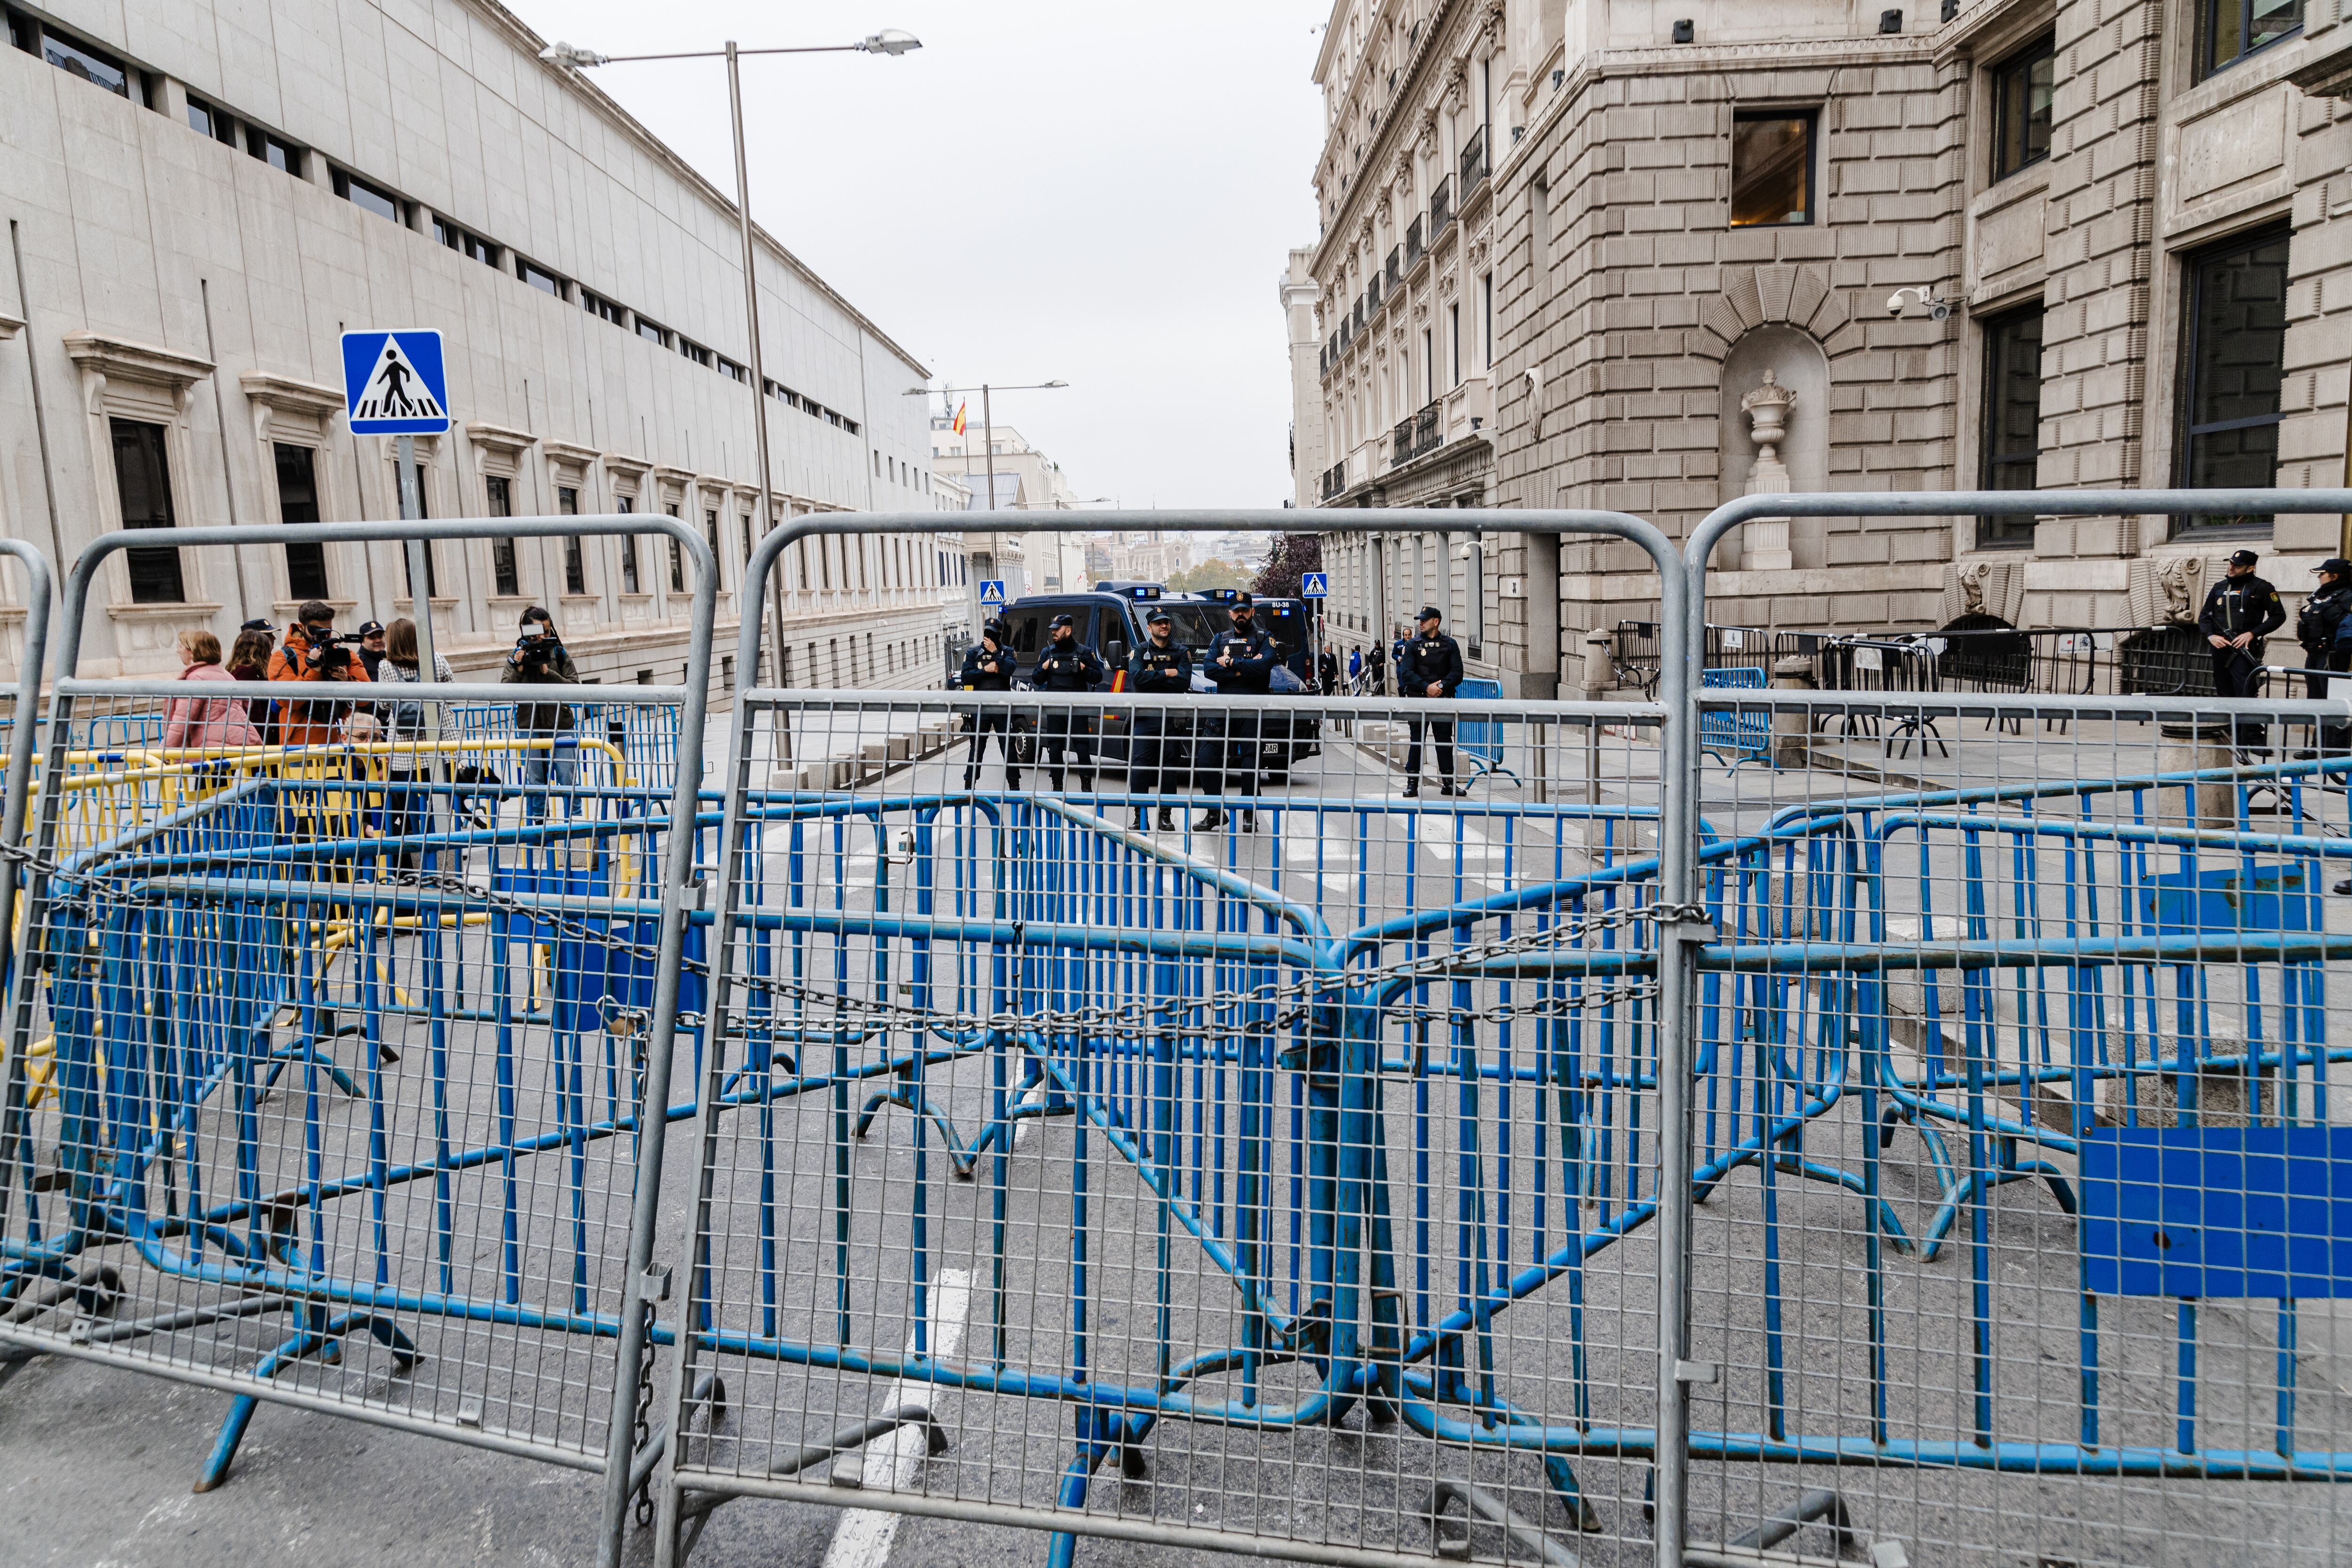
<point>537,655</point>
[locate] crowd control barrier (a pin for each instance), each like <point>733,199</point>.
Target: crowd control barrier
<point>337,1069</point>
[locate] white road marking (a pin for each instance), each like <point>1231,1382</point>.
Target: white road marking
<point>863,1539</point>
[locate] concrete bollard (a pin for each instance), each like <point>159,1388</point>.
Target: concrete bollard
<point>1793,733</point>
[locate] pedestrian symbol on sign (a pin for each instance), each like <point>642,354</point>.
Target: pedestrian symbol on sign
<point>394,384</point>
<point>1314,585</point>
<point>992,593</point>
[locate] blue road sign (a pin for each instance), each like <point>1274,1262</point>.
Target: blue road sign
<point>992,593</point>
<point>1315,585</point>
<point>394,384</point>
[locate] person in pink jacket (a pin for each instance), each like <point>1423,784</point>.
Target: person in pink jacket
<point>206,722</point>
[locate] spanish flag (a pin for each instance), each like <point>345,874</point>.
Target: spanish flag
<point>958,425</point>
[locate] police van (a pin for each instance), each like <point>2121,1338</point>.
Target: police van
<point>1110,621</point>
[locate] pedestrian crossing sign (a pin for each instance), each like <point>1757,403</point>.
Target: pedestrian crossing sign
<point>992,593</point>
<point>1315,585</point>
<point>394,384</point>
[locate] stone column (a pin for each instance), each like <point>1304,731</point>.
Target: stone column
<point>1764,542</point>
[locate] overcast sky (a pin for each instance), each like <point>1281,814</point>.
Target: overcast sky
<point>1101,194</point>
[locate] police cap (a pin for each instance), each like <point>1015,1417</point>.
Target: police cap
<point>1432,613</point>
<point>1065,619</point>
<point>1160,618</point>
<point>2244,558</point>
<point>993,629</point>
<point>1241,600</point>
<point>2337,566</point>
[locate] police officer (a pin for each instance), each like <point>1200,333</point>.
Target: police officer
<point>1428,664</point>
<point>2240,611</point>
<point>1240,660</point>
<point>988,666</point>
<point>1069,665</point>
<point>2320,627</point>
<point>1160,668</point>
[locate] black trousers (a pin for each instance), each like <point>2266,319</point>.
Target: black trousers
<point>1159,760</point>
<point>1063,731</point>
<point>1443,729</point>
<point>1000,724</point>
<point>2335,734</point>
<point>1228,753</point>
<point>2238,672</point>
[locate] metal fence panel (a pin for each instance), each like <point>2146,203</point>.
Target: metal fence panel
<point>329,1068</point>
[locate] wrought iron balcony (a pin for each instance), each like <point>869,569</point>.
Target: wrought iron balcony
<point>1394,271</point>
<point>1421,433</point>
<point>1412,245</point>
<point>1473,161</point>
<point>1335,479</point>
<point>1441,209</point>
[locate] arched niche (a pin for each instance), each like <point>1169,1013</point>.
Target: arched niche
<point>1797,362</point>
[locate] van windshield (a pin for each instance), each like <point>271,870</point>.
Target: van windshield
<point>1195,624</point>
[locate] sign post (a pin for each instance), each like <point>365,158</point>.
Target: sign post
<point>1315,587</point>
<point>395,384</point>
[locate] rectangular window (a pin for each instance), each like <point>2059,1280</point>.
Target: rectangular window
<point>142,480</point>
<point>733,372</point>
<point>603,310</point>
<point>373,198</point>
<point>506,570</point>
<point>432,565</point>
<point>1486,318</point>
<point>2012,438</point>
<point>539,278</point>
<point>1453,341</point>
<point>77,59</point>
<point>744,520</point>
<point>676,561</point>
<point>1771,169</point>
<point>628,548</point>
<point>710,535</point>
<point>203,118</point>
<point>2021,107</point>
<point>463,242</point>
<point>279,155</point>
<point>2229,30</point>
<point>298,502</point>
<point>652,332</point>
<point>695,352</point>
<point>2234,353</point>
<point>575,563</point>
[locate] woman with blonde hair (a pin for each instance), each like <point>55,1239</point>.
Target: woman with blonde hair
<point>205,722</point>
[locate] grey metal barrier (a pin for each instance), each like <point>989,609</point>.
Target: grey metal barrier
<point>24,705</point>
<point>337,1076</point>
<point>1293,1160</point>
<point>2017,1135</point>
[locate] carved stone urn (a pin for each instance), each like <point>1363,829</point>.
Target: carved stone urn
<point>1764,542</point>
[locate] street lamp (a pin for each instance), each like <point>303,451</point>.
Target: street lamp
<point>890,41</point>
<point>647,1203</point>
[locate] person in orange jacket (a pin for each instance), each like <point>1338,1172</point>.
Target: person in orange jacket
<point>310,653</point>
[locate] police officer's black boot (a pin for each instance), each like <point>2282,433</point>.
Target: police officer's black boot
<point>1413,788</point>
<point>1167,820</point>
<point>1447,787</point>
<point>1210,820</point>
<point>970,778</point>
<point>1249,820</point>
<point>1086,783</point>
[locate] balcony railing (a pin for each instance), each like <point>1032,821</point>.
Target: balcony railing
<point>1474,160</point>
<point>1335,479</point>
<point>1441,209</point>
<point>1412,242</point>
<point>1394,271</point>
<point>1372,295</point>
<point>1424,432</point>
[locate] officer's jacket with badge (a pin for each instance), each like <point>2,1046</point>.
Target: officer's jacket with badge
<point>986,671</point>
<point>1161,671</point>
<point>2236,604</point>
<point>1254,660</point>
<point>1069,667</point>
<point>2320,623</point>
<point>1430,661</point>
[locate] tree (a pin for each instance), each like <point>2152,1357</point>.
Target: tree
<point>1293,555</point>
<point>1211,574</point>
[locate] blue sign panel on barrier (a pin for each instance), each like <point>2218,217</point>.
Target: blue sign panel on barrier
<point>2230,898</point>
<point>2230,1213</point>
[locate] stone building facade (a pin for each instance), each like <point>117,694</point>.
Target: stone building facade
<point>199,197</point>
<point>2123,231</point>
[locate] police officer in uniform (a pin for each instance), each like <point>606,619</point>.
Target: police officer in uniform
<point>1428,664</point>
<point>988,666</point>
<point>1067,665</point>
<point>1240,660</point>
<point>2240,611</point>
<point>1160,668</point>
<point>2326,640</point>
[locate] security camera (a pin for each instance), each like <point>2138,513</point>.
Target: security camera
<point>1903,299</point>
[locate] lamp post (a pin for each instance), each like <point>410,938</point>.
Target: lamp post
<point>987,430</point>
<point>646,1208</point>
<point>890,41</point>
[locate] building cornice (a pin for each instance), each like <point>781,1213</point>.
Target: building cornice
<point>285,393</point>
<point>579,457</point>
<point>10,326</point>
<point>121,359</point>
<point>498,438</point>
<point>505,21</point>
<point>1380,145</point>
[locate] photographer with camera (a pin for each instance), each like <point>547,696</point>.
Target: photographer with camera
<point>539,658</point>
<point>312,654</point>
